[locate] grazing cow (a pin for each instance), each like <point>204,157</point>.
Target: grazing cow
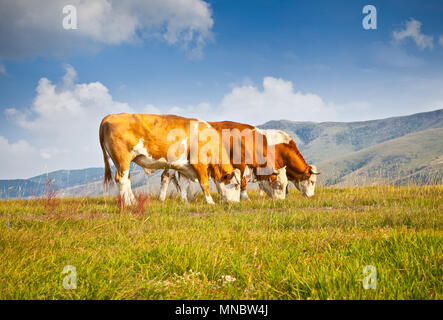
<point>150,141</point>
<point>287,154</point>
<point>298,170</point>
<point>249,152</point>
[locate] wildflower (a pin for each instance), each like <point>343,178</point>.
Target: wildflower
<point>228,278</point>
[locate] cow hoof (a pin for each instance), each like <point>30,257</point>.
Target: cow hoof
<point>244,195</point>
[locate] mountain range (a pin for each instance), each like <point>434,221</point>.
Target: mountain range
<point>397,150</point>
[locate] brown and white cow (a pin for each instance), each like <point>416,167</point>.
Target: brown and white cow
<point>287,154</point>
<point>258,157</point>
<point>299,172</point>
<point>166,142</point>
<point>249,152</point>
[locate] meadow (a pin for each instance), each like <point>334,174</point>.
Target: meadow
<point>298,248</point>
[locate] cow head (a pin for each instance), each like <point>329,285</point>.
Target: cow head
<point>275,185</point>
<point>307,185</point>
<point>229,186</point>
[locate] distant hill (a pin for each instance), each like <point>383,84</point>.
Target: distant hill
<point>327,140</point>
<point>413,158</point>
<point>397,150</point>
<point>55,180</point>
<point>83,182</point>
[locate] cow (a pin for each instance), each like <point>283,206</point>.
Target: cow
<point>253,147</point>
<point>299,172</point>
<point>165,142</point>
<point>302,175</point>
<point>248,147</point>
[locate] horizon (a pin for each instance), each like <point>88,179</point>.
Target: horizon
<point>390,117</point>
<point>250,62</point>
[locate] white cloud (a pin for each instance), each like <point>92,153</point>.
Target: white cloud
<point>64,122</point>
<point>16,159</point>
<point>35,27</point>
<point>413,30</point>
<point>149,108</point>
<point>277,100</point>
<point>440,40</point>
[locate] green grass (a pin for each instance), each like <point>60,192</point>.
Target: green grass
<point>294,249</point>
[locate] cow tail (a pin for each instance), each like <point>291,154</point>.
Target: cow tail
<point>108,173</point>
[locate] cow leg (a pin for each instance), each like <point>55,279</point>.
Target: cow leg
<point>185,188</point>
<point>175,182</point>
<point>205,188</point>
<point>219,190</point>
<point>247,174</point>
<point>189,193</point>
<point>243,193</point>
<point>165,178</point>
<point>122,178</point>
<point>185,184</point>
<point>202,173</point>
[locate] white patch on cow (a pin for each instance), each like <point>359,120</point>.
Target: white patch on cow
<point>125,189</point>
<point>259,131</point>
<point>277,190</point>
<point>276,136</point>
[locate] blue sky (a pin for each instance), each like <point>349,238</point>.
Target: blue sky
<point>249,61</point>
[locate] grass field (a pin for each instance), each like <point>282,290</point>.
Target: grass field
<point>260,249</point>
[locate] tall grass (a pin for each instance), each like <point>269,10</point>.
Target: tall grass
<point>260,249</point>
